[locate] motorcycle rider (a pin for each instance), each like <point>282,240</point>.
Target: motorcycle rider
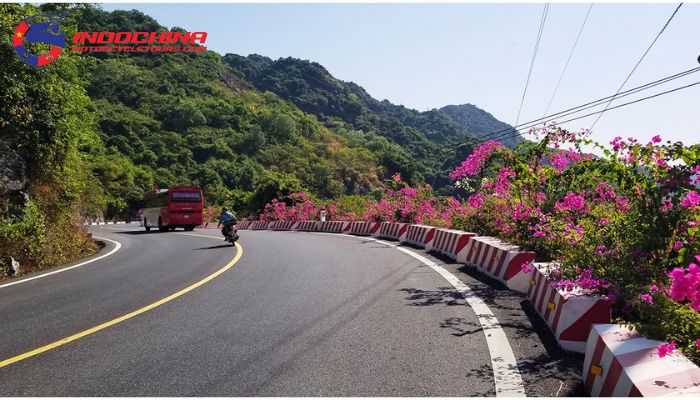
<point>228,220</point>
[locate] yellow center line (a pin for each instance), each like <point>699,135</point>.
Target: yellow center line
<point>132,314</point>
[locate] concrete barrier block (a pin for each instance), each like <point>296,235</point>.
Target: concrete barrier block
<point>420,235</point>
<point>452,243</point>
<point>365,228</point>
<point>393,230</point>
<point>569,315</point>
<point>621,363</point>
<point>309,226</point>
<point>477,248</point>
<point>504,262</point>
<point>283,225</point>
<point>335,226</point>
<point>258,225</point>
<point>243,225</point>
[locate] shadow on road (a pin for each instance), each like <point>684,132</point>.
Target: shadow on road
<point>547,370</point>
<point>443,295</point>
<point>221,246</point>
<point>139,232</point>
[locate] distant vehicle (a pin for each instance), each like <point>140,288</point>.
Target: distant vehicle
<point>178,206</point>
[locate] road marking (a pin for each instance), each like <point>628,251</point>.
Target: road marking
<point>132,314</point>
<point>506,374</point>
<point>114,250</point>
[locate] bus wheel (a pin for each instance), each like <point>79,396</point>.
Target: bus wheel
<point>145,223</point>
<point>160,225</point>
<point>189,228</point>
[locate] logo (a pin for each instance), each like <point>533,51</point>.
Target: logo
<point>139,42</point>
<point>44,31</point>
<point>32,31</point>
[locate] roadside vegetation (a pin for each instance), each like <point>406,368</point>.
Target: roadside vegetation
<point>95,131</point>
<point>623,226</point>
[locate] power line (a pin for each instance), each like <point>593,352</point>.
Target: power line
<point>545,10</point>
<point>611,108</point>
<point>591,104</point>
<point>637,65</point>
<point>569,59</point>
<point>635,101</point>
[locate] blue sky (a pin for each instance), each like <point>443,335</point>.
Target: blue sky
<point>429,55</point>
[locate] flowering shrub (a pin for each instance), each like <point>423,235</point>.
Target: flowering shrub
<point>616,225</point>
<point>623,226</point>
<point>400,203</point>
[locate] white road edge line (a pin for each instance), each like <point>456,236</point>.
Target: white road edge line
<point>506,374</point>
<point>114,250</point>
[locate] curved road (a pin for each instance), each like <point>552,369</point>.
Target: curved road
<point>299,314</point>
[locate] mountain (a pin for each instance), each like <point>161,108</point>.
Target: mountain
<point>246,129</point>
<point>313,89</point>
<point>481,124</point>
<point>435,140</point>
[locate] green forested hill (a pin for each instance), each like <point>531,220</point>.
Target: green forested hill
<point>481,123</point>
<point>190,119</point>
<point>431,137</point>
<point>96,130</point>
<point>422,141</point>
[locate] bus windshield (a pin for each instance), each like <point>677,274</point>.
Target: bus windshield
<point>186,197</point>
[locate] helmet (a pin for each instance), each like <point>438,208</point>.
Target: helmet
<point>225,209</point>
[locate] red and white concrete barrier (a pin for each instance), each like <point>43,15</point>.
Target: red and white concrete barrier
<point>110,223</point>
<point>621,363</point>
<point>365,228</point>
<point>307,226</point>
<point>258,225</point>
<point>451,243</point>
<point>503,262</point>
<point>394,230</point>
<point>243,224</point>
<point>334,226</point>
<point>283,225</point>
<point>569,315</point>
<point>477,249</point>
<point>420,235</point>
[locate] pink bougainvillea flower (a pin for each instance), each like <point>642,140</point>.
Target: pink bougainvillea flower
<point>692,199</point>
<point>694,178</point>
<point>685,285</point>
<point>472,165</point>
<point>559,161</point>
<point>697,343</point>
<point>623,204</point>
<point>665,349</point>
<point>602,250</point>
<point>646,297</point>
<point>618,144</point>
<point>475,200</point>
<point>666,205</point>
<point>572,202</point>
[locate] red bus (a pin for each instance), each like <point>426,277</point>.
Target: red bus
<point>178,206</point>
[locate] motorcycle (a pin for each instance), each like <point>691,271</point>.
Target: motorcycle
<point>231,233</point>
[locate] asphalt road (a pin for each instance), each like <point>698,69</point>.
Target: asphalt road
<point>299,314</point>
